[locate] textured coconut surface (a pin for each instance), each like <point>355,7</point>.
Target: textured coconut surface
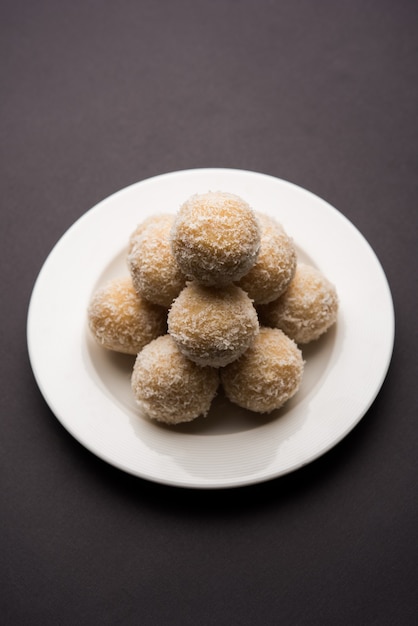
<point>307,309</point>
<point>122,321</point>
<point>267,375</point>
<point>170,388</point>
<point>213,326</point>
<point>276,263</point>
<point>155,273</point>
<point>215,237</point>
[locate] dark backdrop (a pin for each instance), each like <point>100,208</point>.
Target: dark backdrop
<point>97,95</point>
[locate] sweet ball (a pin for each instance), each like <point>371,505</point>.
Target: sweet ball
<point>122,321</point>
<point>276,263</point>
<point>307,309</point>
<point>215,238</point>
<point>155,273</point>
<point>170,388</point>
<point>267,375</point>
<point>212,325</point>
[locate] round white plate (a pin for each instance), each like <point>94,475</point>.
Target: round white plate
<point>88,388</point>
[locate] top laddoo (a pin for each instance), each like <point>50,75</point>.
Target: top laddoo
<point>215,238</point>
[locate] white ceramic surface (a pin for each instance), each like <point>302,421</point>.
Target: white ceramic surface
<point>88,388</point>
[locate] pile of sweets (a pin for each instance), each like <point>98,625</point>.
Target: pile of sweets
<point>215,295</point>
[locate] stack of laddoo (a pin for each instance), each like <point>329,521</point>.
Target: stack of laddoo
<point>215,295</point>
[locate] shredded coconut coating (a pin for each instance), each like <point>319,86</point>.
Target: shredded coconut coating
<point>307,309</point>
<point>148,221</point>
<point>215,238</point>
<point>275,265</point>
<point>155,273</point>
<point>213,325</point>
<point>267,375</point>
<point>122,321</point>
<point>170,388</point>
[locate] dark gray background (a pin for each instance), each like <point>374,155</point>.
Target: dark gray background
<point>98,95</point>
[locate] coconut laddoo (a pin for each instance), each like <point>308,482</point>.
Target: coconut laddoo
<point>275,265</point>
<point>212,325</point>
<point>122,321</point>
<point>170,388</point>
<point>153,268</point>
<point>307,309</point>
<point>267,375</point>
<point>140,228</point>
<point>215,238</point>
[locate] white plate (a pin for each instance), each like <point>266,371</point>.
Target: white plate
<point>88,388</point>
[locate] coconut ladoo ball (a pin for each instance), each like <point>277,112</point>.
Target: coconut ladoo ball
<point>148,221</point>
<point>170,388</point>
<point>215,238</point>
<point>307,309</point>
<point>122,321</point>
<point>155,273</point>
<point>212,325</point>
<point>267,375</point>
<point>275,265</point>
